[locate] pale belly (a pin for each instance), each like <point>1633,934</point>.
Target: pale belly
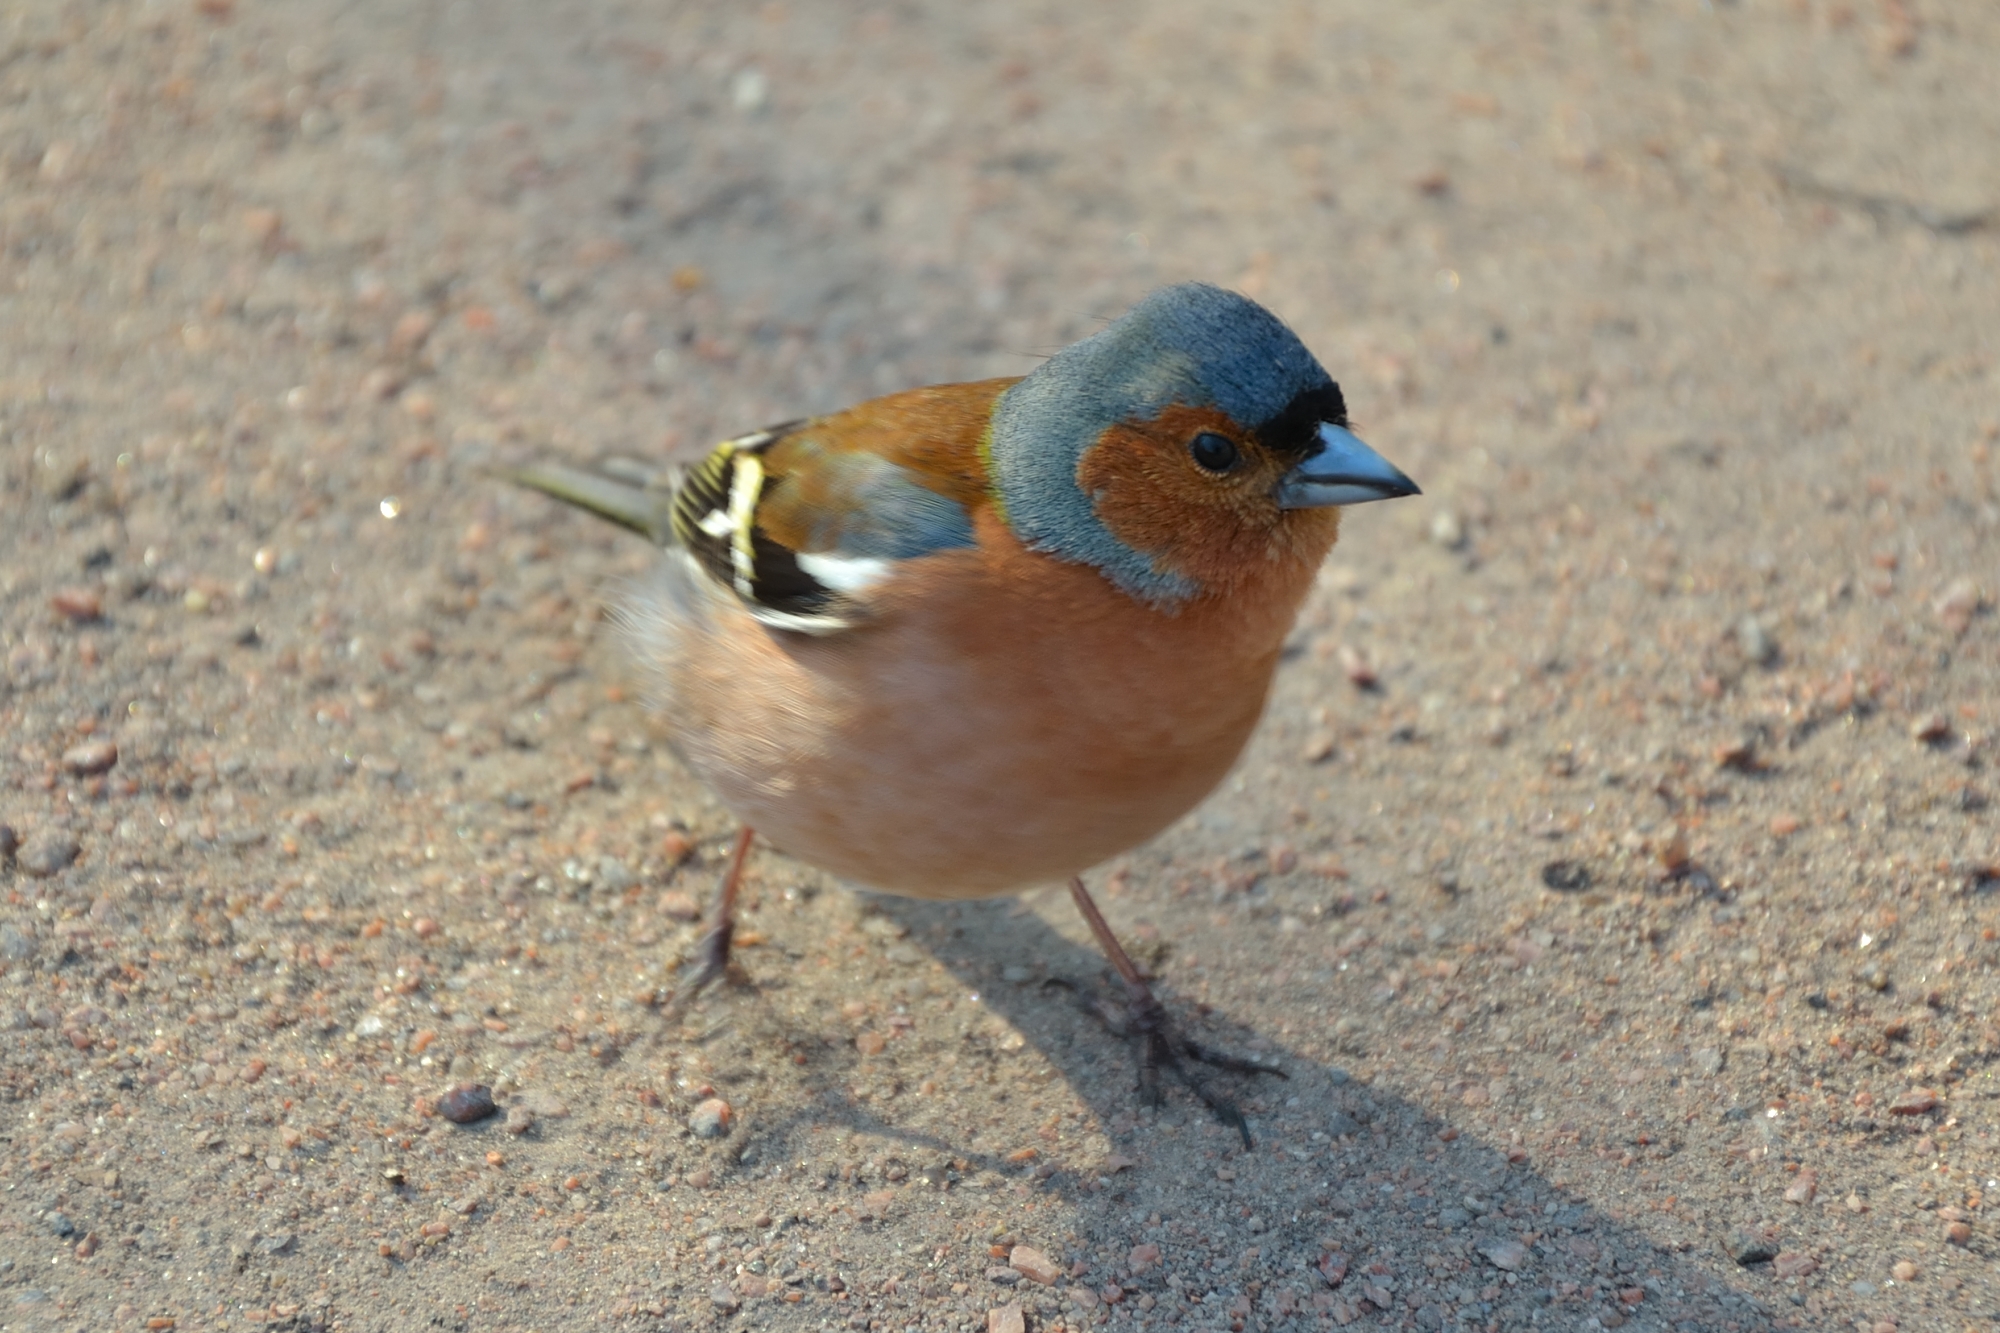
<point>896,757</point>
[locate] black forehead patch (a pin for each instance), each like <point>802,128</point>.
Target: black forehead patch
<point>1293,432</point>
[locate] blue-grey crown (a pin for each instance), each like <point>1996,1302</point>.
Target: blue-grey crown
<point>1190,344</point>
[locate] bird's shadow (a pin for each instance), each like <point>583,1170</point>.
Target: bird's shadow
<point>1341,1170</point>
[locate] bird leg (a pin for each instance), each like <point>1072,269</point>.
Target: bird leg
<point>711,960</point>
<point>1164,1045</point>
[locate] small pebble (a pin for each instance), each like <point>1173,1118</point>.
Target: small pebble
<point>1803,1188</point>
<point>91,757</point>
<point>77,605</point>
<point>1566,876</point>
<point>711,1119</point>
<point>1931,728</point>
<point>750,89</point>
<point>1447,531</point>
<point>466,1103</point>
<point>1739,754</point>
<point>1355,665</point>
<point>1957,603</point>
<point>1708,1061</point>
<point>722,1298</point>
<point>1904,1271</point>
<point>1959,1233</point>
<point>1007,1319</point>
<point>1034,1265</point>
<point>1747,1246</point>
<point>411,331</point>
<point>10,841</point>
<point>1917,1101</point>
<point>1793,1264</point>
<point>1756,641</point>
<point>1005,1276</point>
<point>678,906</point>
<point>1509,1256</point>
<point>47,852</point>
<point>519,1119</point>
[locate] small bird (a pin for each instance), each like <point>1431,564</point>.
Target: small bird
<point>967,639</point>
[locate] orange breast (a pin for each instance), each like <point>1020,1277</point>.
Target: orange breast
<point>1006,720</point>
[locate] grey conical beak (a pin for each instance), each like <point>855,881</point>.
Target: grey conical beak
<point>1342,471</point>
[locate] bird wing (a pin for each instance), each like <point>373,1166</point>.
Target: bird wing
<point>803,521</point>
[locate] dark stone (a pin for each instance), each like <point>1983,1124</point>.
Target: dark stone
<point>1566,876</point>
<point>466,1103</point>
<point>1747,1246</point>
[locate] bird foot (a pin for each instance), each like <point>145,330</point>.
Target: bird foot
<point>1164,1047</point>
<point>711,963</point>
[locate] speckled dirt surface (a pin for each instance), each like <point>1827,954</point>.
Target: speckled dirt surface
<point>1637,922</point>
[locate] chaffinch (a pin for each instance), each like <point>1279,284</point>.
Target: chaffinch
<point>965,639</point>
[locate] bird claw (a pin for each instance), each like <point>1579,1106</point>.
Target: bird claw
<point>710,964</point>
<point>1163,1046</point>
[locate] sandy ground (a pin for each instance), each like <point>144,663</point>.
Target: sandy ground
<point>1629,944</point>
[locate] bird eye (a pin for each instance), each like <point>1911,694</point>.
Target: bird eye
<point>1212,452</point>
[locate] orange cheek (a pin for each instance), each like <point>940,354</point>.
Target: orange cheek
<point>1217,532</point>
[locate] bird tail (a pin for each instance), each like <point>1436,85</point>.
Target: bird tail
<point>631,494</point>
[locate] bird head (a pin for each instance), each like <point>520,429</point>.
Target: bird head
<point>1183,449</point>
